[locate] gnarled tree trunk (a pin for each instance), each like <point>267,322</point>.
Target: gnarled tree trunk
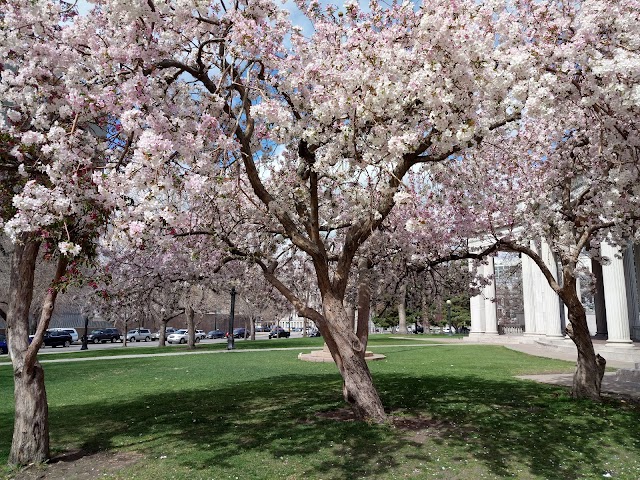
<point>364,302</point>
<point>587,379</point>
<point>30,443</point>
<point>348,353</point>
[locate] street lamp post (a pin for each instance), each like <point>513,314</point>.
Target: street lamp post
<point>230,343</point>
<point>449,317</point>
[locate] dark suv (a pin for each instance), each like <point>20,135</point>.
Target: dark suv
<point>279,332</point>
<point>54,338</point>
<point>239,333</point>
<point>104,335</point>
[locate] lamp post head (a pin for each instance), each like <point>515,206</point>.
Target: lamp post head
<point>448,302</point>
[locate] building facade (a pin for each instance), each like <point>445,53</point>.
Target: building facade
<point>613,303</point>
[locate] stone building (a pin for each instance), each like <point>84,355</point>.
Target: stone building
<point>614,300</point>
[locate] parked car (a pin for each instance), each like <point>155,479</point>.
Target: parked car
<point>278,332</point>
<point>215,334</point>
<point>314,333</point>
<point>200,334</point>
<point>71,331</point>
<point>104,335</point>
<point>3,344</point>
<point>168,331</point>
<point>54,339</point>
<point>115,332</point>
<point>181,336</point>
<point>139,334</point>
<point>240,333</point>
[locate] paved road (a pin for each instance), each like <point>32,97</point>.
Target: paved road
<point>153,343</point>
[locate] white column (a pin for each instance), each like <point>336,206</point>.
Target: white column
<point>615,297</point>
<point>538,284</point>
<point>551,299</point>
<point>477,310</point>
<point>528,295</point>
<point>598,300</point>
<point>490,310</point>
<point>631,282</point>
<point>635,328</point>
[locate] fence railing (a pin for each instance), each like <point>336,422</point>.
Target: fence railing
<point>510,329</point>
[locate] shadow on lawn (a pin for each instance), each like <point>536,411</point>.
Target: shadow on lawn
<point>502,424</point>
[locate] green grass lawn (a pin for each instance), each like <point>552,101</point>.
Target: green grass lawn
<point>458,413</point>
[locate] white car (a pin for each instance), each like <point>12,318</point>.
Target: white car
<point>139,334</point>
<point>201,334</point>
<point>180,336</point>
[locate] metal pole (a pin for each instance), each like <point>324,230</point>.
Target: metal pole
<point>230,343</point>
<point>449,317</point>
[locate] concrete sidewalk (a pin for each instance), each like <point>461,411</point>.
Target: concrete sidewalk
<point>611,383</point>
<point>540,350</point>
<point>625,381</point>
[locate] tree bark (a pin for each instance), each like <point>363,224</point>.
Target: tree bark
<point>402,309</point>
<point>348,353</point>
<point>351,314</point>
<point>30,443</point>
<point>191,327</point>
<point>162,339</point>
<point>587,379</point>
<point>364,302</point>
<point>425,314</point>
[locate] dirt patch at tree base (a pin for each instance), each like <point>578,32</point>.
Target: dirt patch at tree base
<point>418,428</point>
<point>78,466</point>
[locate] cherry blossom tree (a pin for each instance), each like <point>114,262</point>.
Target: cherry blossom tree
<point>310,138</point>
<point>569,173</point>
<point>53,138</point>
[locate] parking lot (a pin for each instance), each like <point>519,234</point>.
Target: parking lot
<point>154,343</point>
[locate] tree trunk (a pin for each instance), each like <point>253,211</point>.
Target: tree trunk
<point>351,315</point>
<point>85,337</point>
<point>348,353</point>
<point>162,338</point>
<point>402,309</point>
<point>425,314</point>
<point>252,321</point>
<point>587,379</point>
<point>364,302</point>
<point>30,442</point>
<point>191,338</point>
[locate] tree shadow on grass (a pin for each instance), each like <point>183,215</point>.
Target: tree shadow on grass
<point>509,422</point>
<point>506,425</point>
